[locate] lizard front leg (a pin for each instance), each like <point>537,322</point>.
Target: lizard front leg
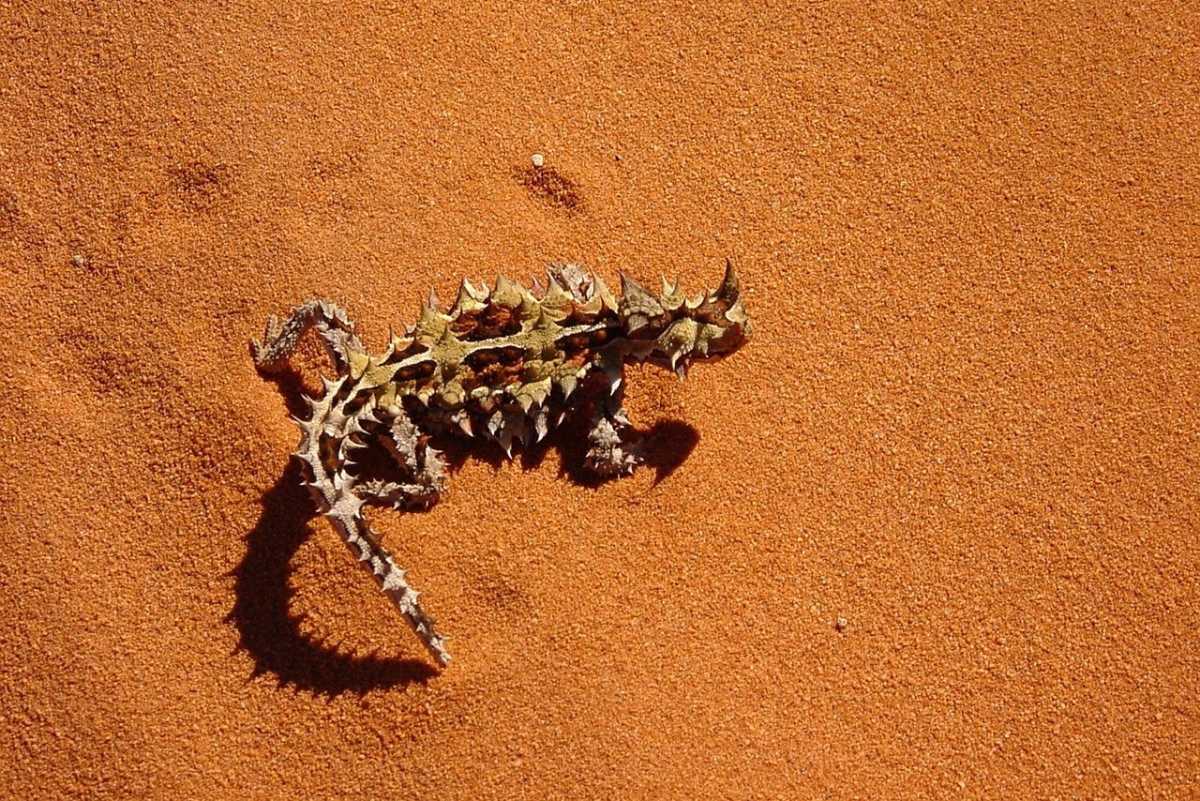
<point>401,496</point>
<point>613,444</point>
<point>413,453</point>
<point>330,321</point>
<point>419,462</point>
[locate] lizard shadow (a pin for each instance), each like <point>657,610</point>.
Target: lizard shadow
<point>272,635</point>
<point>267,628</point>
<point>664,447</point>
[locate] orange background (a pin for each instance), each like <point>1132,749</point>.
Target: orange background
<point>967,423</point>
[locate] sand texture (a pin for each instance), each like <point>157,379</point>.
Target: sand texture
<point>933,534</point>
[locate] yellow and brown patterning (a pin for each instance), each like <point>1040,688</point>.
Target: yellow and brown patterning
<point>506,364</point>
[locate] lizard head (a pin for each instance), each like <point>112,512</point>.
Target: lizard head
<point>678,330</point>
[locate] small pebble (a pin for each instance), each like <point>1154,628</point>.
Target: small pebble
<point>79,260</point>
<point>841,623</point>
<point>538,159</point>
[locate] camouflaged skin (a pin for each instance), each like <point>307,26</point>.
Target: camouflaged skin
<point>505,364</point>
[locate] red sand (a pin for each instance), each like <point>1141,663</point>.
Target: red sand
<point>967,424</point>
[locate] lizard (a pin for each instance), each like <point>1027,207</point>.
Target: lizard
<point>505,364</point>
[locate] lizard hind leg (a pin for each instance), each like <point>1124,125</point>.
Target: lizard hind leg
<point>282,337</point>
<point>412,452</point>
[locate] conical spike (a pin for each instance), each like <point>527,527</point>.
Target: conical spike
<point>468,299</point>
<point>604,293</point>
<point>540,390</point>
<point>430,325</point>
<point>399,344</point>
<point>554,276</point>
<point>730,288</point>
<point>556,302</point>
<point>592,307</point>
<point>516,427</point>
<point>482,292</point>
<point>545,320</point>
<point>631,287</point>
<point>528,308</point>
<point>672,298</point>
<point>507,293</point>
<point>737,314</point>
<point>464,422</point>
<point>635,300</point>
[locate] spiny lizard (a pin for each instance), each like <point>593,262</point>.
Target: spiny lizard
<point>506,364</point>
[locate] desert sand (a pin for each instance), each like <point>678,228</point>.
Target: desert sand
<point>933,533</point>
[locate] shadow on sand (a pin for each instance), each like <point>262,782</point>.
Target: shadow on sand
<point>272,635</point>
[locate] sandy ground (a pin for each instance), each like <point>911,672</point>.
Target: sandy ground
<point>967,425</point>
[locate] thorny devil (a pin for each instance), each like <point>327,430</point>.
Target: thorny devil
<point>507,365</point>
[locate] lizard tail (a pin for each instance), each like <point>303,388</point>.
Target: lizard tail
<point>365,546</point>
